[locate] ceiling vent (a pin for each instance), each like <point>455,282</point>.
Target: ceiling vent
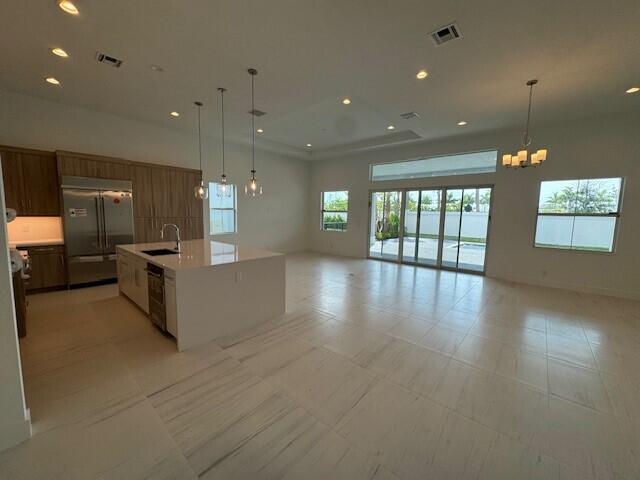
<point>445,34</point>
<point>108,60</point>
<point>256,112</point>
<point>410,115</point>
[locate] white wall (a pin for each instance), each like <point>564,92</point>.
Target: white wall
<point>14,422</point>
<point>30,122</point>
<point>278,219</point>
<point>600,147</point>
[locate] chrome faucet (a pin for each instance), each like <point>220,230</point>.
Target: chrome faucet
<point>177,234</point>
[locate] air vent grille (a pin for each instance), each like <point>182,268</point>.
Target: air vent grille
<point>108,59</point>
<point>410,115</point>
<point>256,112</point>
<point>445,34</point>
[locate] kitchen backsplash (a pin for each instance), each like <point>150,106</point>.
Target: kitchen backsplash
<point>30,230</point>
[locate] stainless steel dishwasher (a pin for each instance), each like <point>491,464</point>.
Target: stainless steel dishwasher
<point>157,307</point>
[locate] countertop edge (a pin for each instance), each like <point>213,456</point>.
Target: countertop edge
<point>157,262</point>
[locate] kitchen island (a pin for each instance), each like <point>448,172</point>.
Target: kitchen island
<point>207,291</point>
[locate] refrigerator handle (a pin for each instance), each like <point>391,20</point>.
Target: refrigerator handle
<point>104,224</point>
<point>98,223</point>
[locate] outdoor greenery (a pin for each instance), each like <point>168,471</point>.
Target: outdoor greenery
<point>388,208</point>
<point>583,197</point>
<point>334,222</point>
<point>335,206</point>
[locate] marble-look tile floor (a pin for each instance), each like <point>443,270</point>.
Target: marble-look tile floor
<point>376,371</point>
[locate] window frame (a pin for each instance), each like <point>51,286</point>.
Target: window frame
<point>617,215</point>
<point>432,157</point>
<point>323,211</point>
<point>212,192</point>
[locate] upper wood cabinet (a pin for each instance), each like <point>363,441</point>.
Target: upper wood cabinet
<point>194,205</point>
<point>142,181</point>
<point>32,187</point>
<point>13,181</point>
<point>31,182</point>
<point>79,165</point>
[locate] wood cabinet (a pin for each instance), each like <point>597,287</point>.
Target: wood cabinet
<point>31,181</point>
<point>20,303</point>
<point>142,182</point>
<point>161,194</point>
<point>48,269</point>
<point>81,165</point>
<point>13,181</point>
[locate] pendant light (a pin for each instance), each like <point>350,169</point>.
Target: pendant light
<point>223,190</point>
<point>200,191</point>
<point>252,187</point>
<point>521,158</point>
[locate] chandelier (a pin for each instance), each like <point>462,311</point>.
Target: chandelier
<point>522,159</point>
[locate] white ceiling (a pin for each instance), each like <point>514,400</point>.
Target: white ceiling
<point>312,53</point>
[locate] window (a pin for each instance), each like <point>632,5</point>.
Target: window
<point>578,214</point>
<point>222,209</point>
<point>335,207</point>
<point>460,164</point>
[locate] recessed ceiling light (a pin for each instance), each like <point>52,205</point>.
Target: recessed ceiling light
<point>390,127</point>
<point>422,74</point>
<point>174,114</point>
<point>633,90</point>
<point>260,130</point>
<point>52,80</point>
<point>157,68</point>
<point>68,6</point>
<point>346,101</point>
<point>309,145</point>
<point>59,52</point>
<point>462,123</point>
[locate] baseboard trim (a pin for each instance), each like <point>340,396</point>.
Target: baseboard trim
<point>608,292</point>
<point>14,433</point>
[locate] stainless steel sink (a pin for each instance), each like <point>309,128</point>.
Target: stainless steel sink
<point>160,251</point>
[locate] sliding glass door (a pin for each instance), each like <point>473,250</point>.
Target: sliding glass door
<point>442,227</point>
<point>422,226</point>
<point>384,231</point>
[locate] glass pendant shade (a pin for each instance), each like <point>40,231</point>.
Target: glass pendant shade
<point>224,189</point>
<point>253,187</point>
<point>200,191</point>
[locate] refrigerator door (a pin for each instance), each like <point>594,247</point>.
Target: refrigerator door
<point>117,215</point>
<point>82,222</point>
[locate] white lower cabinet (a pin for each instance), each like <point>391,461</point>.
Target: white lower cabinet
<point>171,305</point>
<point>132,280</point>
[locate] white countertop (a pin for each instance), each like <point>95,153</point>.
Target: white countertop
<point>197,254</point>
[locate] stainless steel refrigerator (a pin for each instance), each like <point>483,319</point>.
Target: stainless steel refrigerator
<point>98,215</point>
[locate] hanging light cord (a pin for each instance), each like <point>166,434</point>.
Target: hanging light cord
<point>199,136</point>
<point>526,141</point>
<point>253,130</point>
<point>222,90</point>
